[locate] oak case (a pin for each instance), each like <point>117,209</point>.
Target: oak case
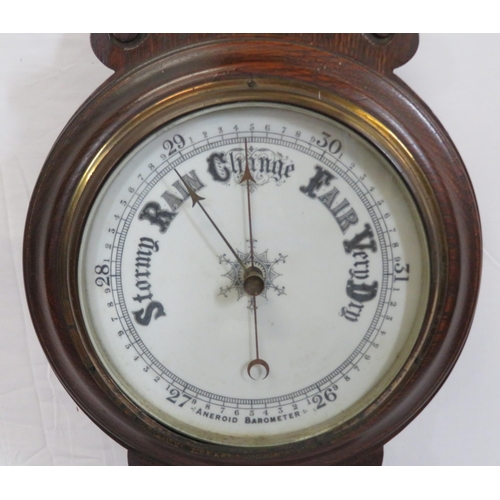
<point>161,77</point>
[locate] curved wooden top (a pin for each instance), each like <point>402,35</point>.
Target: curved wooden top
<point>382,51</point>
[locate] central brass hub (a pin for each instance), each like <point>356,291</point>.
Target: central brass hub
<point>253,283</point>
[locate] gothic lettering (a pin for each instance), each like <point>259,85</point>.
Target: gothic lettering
<point>192,181</point>
<point>264,164</point>
<point>361,292</point>
<point>216,167</point>
<point>352,312</point>
<point>320,179</point>
<point>143,317</point>
<point>361,241</point>
<point>358,289</point>
<point>343,213</point>
<point>174,202</point>
<point>153,213</point>
<point>154,309</point>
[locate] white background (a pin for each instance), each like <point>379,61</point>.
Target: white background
<point>44,79</point>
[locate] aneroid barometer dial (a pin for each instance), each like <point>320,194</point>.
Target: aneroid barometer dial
<point>253,249</point>
<point>253,274</point>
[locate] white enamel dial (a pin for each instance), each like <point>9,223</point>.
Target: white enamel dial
<point>342,258</point>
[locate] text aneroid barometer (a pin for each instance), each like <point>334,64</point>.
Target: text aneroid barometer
<point>253,250</point>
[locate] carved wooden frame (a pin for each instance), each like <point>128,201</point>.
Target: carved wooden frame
<point>150,69</point>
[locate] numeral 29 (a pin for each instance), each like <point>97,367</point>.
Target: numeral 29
<point>174,145</point>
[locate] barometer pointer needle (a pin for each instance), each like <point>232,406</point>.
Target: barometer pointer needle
<point>196,201</point>
<point>247,176</point>
<point>254,283</point>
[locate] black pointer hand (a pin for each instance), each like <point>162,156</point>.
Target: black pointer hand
<point>197,201</point>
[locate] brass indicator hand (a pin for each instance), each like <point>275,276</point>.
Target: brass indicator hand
<point>196,201</point>
<point>247,176</point>
<point>254,282</point>
<point>257,360</point>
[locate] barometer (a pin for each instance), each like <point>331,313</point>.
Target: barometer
<point>253,249</point>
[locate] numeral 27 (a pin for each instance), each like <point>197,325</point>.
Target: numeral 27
<point>175,395</point>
